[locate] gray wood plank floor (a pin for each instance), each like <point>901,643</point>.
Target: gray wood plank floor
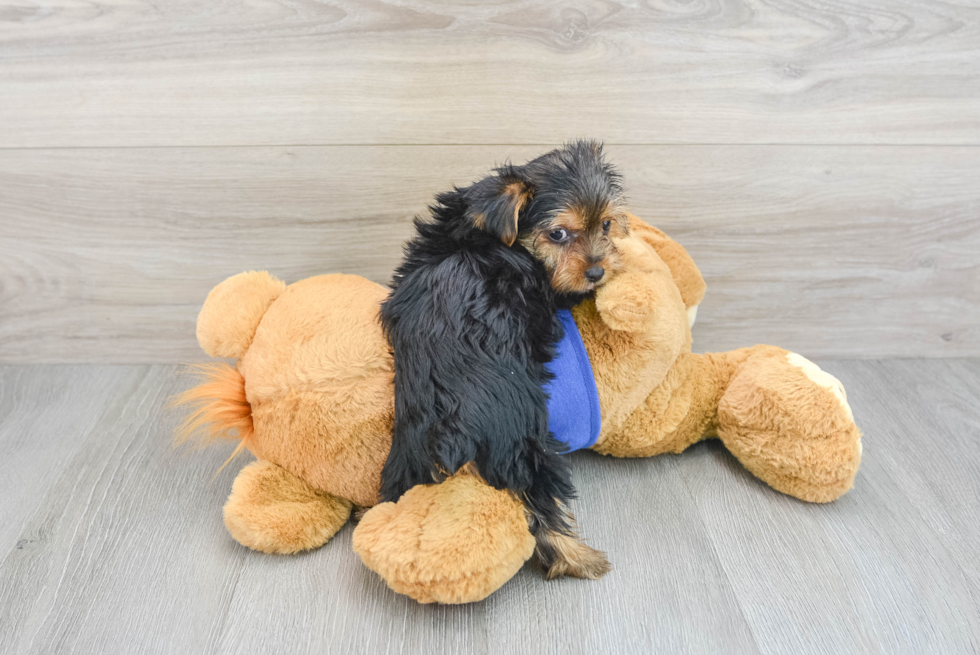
<point>111,541</point>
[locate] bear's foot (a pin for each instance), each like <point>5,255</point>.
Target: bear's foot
<point>789,423</point>
<point>273,511</point>
<point>453,542</point>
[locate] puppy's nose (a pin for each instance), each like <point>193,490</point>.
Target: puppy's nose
<point>595,273</point>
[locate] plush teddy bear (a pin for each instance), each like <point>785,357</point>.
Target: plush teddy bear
<point>312,399</point>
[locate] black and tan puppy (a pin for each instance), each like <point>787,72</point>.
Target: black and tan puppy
<point>472,322</point>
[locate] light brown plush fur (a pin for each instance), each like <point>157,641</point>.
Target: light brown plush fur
<point>233,311</point>
<point>454,542</point>
<point>316,376</point>
<point>272,510</point>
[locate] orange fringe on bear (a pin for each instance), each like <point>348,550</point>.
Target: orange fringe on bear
<point>219,408</point>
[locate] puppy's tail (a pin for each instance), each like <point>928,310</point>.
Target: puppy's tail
<point>219,409</point>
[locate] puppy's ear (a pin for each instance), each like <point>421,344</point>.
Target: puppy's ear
<point>495,203</point>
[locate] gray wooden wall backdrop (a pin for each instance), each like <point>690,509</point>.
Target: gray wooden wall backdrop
<point>821,160</point>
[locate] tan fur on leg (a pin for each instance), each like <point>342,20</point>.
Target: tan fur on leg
<point>566,554</point>
<point>273,511</point>
<point>574,558</point>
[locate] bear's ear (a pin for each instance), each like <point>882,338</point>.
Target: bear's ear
<point>494,203</point>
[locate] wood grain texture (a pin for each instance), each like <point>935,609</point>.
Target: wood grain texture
<point>110,558</point>
<point>42,412</point>
<point>112,73</point>
<point>107,255</point>
<point>666,593</point>
<point>123,550</point>
<point>941,408</point>
<point>873,571</point>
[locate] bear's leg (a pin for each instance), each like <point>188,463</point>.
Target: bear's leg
<point>785,419</point>
<point>273,511</point>
<point>453,542</point>
<point>680,412</point>
<point>789,424</point>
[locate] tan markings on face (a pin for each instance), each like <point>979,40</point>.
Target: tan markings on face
<point>570,219</point>
<point>588,245</point>
<point>480,221</point>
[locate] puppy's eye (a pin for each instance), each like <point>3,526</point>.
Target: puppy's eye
<point>605,225</point>
<point>558,235</point>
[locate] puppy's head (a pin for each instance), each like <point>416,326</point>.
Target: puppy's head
<point>563,207</point>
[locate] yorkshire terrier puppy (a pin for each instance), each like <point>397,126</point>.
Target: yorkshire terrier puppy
<point>472,322</point>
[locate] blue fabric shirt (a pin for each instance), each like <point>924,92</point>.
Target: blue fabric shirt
<point>573,400</point>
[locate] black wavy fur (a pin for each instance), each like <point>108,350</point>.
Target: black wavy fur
<point>472,323</point>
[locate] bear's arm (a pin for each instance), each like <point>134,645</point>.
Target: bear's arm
<point>686,275</point>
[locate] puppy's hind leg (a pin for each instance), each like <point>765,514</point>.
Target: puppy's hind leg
<point>558,547</point>
<point>562,552</point>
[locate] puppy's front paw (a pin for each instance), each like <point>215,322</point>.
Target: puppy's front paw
<point>628,308</point>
